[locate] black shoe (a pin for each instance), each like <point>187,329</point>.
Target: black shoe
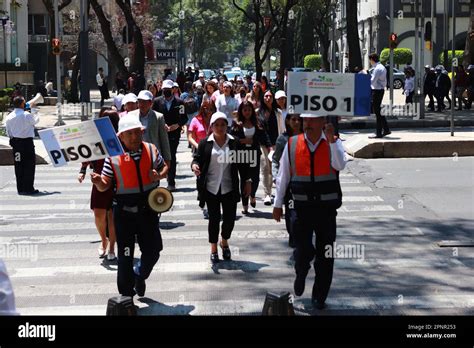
<point>30,193</point>
<point>226,254</point>
<point>254,204</point>
<point>375,136</point>
<point>299,284</point>
<point>388,133</point>
<point>214,258</point>
<point>140,287</point>
<point>318,304</point>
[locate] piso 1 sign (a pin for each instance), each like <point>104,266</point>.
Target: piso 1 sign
<point>82,142</point>
<point>329,94</point>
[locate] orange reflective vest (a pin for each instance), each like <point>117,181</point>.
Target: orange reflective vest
<point>132,177</point>
<point>313,180</point>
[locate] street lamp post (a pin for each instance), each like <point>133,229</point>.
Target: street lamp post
<point>84,50</point>
<point>5,19</point>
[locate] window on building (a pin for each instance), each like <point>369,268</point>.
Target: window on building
<point>37,25</point>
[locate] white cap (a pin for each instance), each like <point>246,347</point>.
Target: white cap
<point>239,78</point>
<point>217,116</point>
<point>228,84</point>
<point>167,84</point>
<point>311,116</point>
<point>198,84</point>
<point>215,81</point>
<point>175,84</point>
<point>280,94</point>
<point>201,74</point>
<point>129,98</point>
<point>145,95</point>
<point>129,122</point>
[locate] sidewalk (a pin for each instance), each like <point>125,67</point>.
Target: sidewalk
<point>423,142</point>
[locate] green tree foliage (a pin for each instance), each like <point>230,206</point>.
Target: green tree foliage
<point>313,61</point>
<point>459,54</point>
<point>400,56</point>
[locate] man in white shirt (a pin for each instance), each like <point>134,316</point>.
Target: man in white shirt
<point>310,167</point>
<point>378,83</point>
<point>20,126</point>
<point>102,84</point>
<point>118,100</point>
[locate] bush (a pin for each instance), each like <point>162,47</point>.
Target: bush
<point>313,61</point>
<point>459,54</point>
<point>400,56</point>
<point>6,92</point>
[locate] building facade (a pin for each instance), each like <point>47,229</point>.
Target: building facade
<point>374,26</point>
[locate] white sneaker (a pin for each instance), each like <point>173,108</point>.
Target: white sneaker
<point>111,257</point>
<point>267,200</point>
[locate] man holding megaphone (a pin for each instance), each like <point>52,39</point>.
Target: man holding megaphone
<point>134,175</point>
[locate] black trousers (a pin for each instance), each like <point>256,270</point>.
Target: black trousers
<point>431,105</point>
<point>145,225</point>
<point>290,221</point>
<point>24,158</point>
<point>229,212</point>
<point>377,98</point>
<point>254,173</point>
<point>409,98</point>
<point>310,220</point>
<point>174,143</point>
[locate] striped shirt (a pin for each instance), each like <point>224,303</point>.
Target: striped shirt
<point>158,162</point>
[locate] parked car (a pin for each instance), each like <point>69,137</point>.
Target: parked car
<point>208,73</point>
<point>273,75</point>
<point>232,74</point>
<point>398,77</point>
<point>300,69</point>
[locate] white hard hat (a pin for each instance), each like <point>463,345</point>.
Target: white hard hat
<point>145,95</point>
<point>311,116</point>
<point>218,116</point>
<point>129,98</point>
<point>280,94</point>
<point>129,122</point>
<point>167,84</point>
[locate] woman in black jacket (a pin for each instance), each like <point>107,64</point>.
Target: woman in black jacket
<point>218,182</point>
<point>252,136</point>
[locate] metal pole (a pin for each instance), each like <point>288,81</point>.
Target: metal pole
<point>84,52</point>
<point>333,44</point>
<point>446,32</point>
<point>392,29</point>
<point>416,58</point>
<point>58,68</point>
<point>181,40</point>
<point>453,87</point>
<point>5,54</point>
<point>432,32</point>
<point>422,63</point>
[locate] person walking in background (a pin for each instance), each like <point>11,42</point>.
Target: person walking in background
<point>103,88</point>
<point>270,117</point>
<point>461,83</point>
<point>20,127</point>
<point>129,104</point>
<point>118,100</point>
<point>294,127</point>
<point>378,83</point>
<point>251,136</point>
<point>218,183</point>
<point>470,88</point>
<point>309,166</point>
<point>442,87</point>
<point>409,88</point>
<point>174,112</point>
<point>227,104</point>
<point>199,128</point>
<point>256,96</point>
<point>429,82</point>
<point>120,83</point>
<point>101,202</point>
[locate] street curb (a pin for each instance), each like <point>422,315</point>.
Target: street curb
<point>6,155</point>
<point>362,147</point>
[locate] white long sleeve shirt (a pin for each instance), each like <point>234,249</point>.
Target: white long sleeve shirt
<point>338,162</point>
<point>21,124</point>
<point>379,77</point>
<point>409,85</point>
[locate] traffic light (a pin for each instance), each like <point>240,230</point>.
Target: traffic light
<point>428,31</point>
<point>56,49</point>
<point>393,41</point>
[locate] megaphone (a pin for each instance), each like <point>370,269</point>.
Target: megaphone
<point>38,99</point>
<point>160,200</point>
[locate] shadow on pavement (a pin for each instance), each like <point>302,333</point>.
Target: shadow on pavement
<point>244,266</point>
<point>158,308</point>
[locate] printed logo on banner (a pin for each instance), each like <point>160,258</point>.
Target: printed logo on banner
<point>86,141</point>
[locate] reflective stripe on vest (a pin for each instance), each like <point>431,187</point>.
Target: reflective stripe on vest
<point>127,174</point>
<point>305,181</point>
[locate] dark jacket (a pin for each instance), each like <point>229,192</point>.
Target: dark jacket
<point>260,138</point>
<point>202,157</point>
<point>175,115</point>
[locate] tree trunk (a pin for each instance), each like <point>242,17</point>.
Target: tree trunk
<point>75,74</point>
<point>469,50</point>
<point>355,57</point>
<point>283,52</point>
<point>138,64</point>
<point>325,45</point>
<point>112,49</point>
